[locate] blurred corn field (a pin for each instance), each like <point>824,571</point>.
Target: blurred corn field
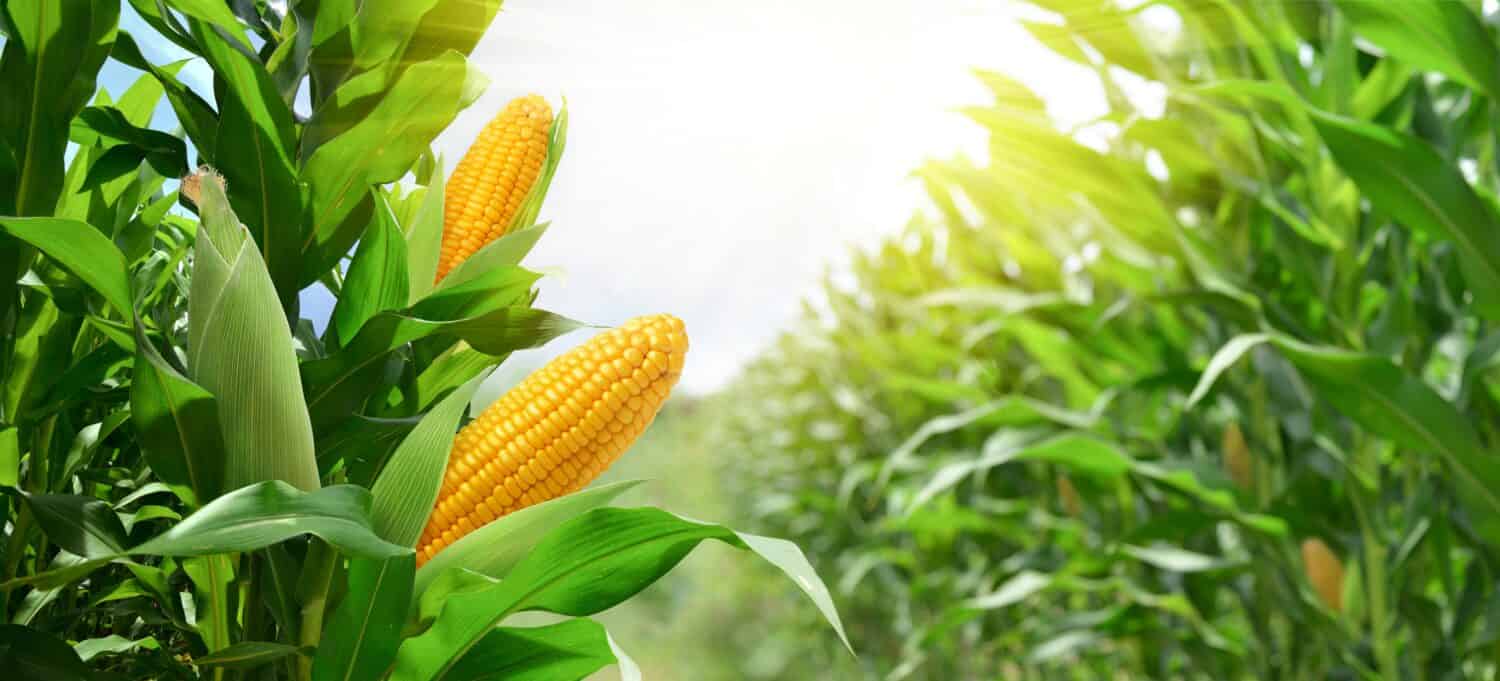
<point>1202,389</point>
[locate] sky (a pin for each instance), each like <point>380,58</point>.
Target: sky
<point>724,156</point>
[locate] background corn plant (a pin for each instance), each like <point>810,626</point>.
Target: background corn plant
<point>1202,389</point>
<point>198,483</point>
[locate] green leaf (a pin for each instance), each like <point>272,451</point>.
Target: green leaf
<point>1437,36</point>
<point>506,251</point>
<point>28,653</point>
<point>408,487</point>
<point>424,238</point>
<point>363,443</point>
<point>113,164</point>
<point>1176,559</point>
<point>264,191</point>
<point>10,456</point>
<point>213,12</point>
<point>1077,452</point>
<point>247,655</point>
<point>372,146</point>
<point>365,631</point>
<point>47,74</point>
<point>1406,178</point>
<point>377,278</point>
<point>114,644</point>
<point>178,423</point>
<point>240,350</point>
<point>494,548</point>
<point>588,564</point>
<point>212,577</point>
<point>567,650</point>
<point>80,248</point>
<point>451,369</point>
<point>1226,357</point>
<point>1387,401</point>
<point>339,384</point>
<point>1022,586</point>
<point>85,526</point>
<point>198,118</point>
<point>271,512</point>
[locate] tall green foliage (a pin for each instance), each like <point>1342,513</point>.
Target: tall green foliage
<point>1077,419</point>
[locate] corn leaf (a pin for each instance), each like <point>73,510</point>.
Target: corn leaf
<point>246,655</point>
<point>80,525</point>
<point>198,119</point>
<point>1389,402</point>
<point>1438,36</point>
<point>424,238</point>
<point>366,145</point>
<point>270,512</point>
<point>377,278</point>
<point>408,486</point>
<point>587,565</point>
<point>567,650</point>
<point>1406,178</point>
<point>212,576</point>
<point>362,638</point>
<point>178,422</point>
<point>81,249</point>
<point>33,654</point>
<point>506,251</point>
<point>496,547</point>
<point>339,384</point>
<point>47,74</point>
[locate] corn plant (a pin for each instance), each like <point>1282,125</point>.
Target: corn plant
<point>1202,389</point>
<point>199,481</point>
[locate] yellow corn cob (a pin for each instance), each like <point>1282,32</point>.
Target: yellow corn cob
<point>558,429</point>
<point>1237,457</point>
<point>491,181</point>
<point>1325,572</point>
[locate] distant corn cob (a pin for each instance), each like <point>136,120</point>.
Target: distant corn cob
<point>1325,572</point>
<point>558,429</point>
<point>492,180</point>
<point>1237,457</point>
<point>1071,502</point>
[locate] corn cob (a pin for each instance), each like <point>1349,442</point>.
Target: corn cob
<point>558,429</point>
<point>1237,457</point>
<point>1325,572</point>
<point>492,180</point>
<point>1071,501</point>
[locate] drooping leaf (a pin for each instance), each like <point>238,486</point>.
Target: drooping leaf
<point>567,650</point>
<point>588,564</point>
<point>496,547</point>
<point>82,525</point>
<point>271,512</point>
<point>82,250</point>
